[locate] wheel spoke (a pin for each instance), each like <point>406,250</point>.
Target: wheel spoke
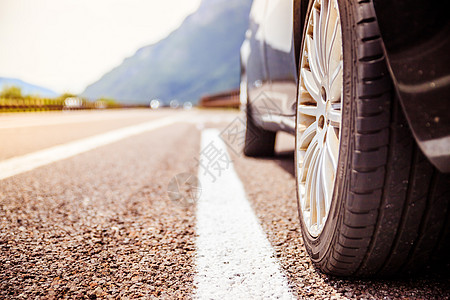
<point>332,146</point>
<point>332,41</point>
<point>307,136</point>
<point>311,186</point>
<point>327,180</point>
<point>320,35</point>
<point>316,38</point>
<point>312,196</point>
<point>325,29</point>
<point>310,85</point>
<point>335,89</point>
<point>313,60</point>
<point>309,110</point>
<point>334,116</point>
<point>319,194</point>
<point>307,158</point>
<point>336,73</point>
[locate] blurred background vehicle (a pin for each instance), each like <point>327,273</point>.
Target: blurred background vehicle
<point>100,104</point>
<point>187,105</point>
<point>174,104</point>
<point>73,103</point>
<point>155,103</point>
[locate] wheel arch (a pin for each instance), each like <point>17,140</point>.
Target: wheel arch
<point>416,37</point>
<point>300,9</point>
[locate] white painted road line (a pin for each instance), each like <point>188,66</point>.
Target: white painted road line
<point>23,120</point>
<point>28,162</point>
<point>234,258</point>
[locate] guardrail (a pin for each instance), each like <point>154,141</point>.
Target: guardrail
<point>20,105</point>
<point>229,99</point>
<point>42,104</point>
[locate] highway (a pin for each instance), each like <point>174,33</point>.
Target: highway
<point>158,205</point>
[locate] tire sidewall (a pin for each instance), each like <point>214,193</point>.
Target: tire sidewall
<point>319,247</point>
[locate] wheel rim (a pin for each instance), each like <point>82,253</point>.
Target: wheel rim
<point>319,114</point>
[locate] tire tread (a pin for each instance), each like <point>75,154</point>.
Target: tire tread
<point>389,190</point>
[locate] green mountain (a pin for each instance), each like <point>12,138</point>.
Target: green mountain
<point>200,57</point>
<point>27,88</point>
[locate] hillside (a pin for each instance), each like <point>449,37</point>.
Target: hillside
<point>200,57</point>
<point>27,88</point>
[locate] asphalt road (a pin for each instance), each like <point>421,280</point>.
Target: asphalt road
<point>91,210</point>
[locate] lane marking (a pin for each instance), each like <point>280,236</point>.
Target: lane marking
<point>28,162</point>
<point>234,258</point>
<point>69,117</point>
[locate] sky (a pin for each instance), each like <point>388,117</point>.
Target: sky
<point>65,45</point>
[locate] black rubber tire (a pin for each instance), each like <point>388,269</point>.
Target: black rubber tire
<point>258,142</point>
<point>390,208</point>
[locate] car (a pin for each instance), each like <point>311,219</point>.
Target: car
<point>73,103</point>
<point>155,103</point>
<point>187,105</point>
<point>174,104</point>
<point>364,87</point>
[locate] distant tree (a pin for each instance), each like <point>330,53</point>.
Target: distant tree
<point>11,92</point>
<point>66,95</point>
<point>109,102</point>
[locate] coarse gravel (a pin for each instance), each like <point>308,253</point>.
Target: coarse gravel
<point>100,225</point>
<point>270,187</point>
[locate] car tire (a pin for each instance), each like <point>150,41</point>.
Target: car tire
<point>388,212</point>
<point>258,142</point>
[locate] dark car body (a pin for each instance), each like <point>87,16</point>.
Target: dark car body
<point>416,36</point>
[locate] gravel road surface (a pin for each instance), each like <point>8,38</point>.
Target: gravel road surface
<point>101,224</point>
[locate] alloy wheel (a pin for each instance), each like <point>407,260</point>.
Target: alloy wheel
<point>319,113</point>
